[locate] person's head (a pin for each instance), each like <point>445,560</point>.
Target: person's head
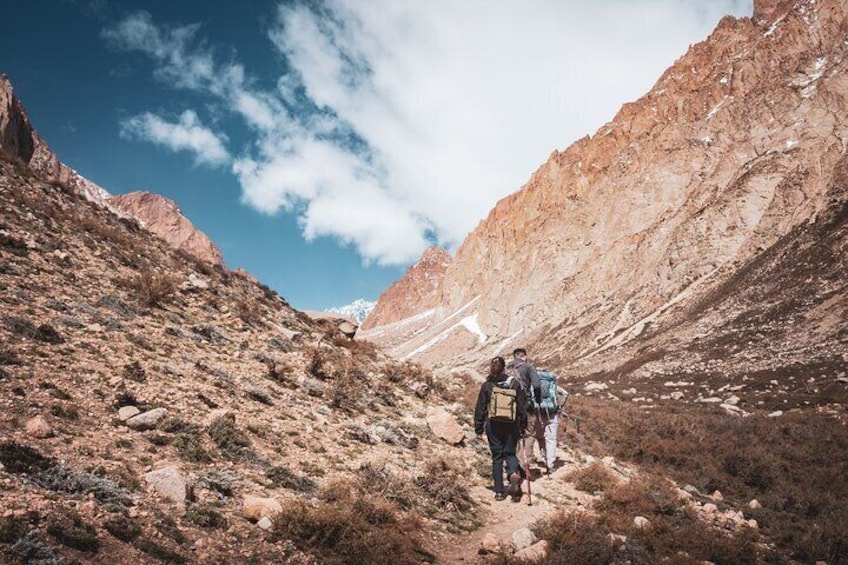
<point>520,353</point>
<point>496,367</point>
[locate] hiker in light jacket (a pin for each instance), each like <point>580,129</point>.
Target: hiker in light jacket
<point>503,436</point>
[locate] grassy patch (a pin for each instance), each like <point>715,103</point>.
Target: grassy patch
<point>344,526</point>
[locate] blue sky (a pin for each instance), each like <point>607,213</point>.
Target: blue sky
<point>323,146</point>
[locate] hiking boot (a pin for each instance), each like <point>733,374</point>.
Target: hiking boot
<point>515,487</point>
<point>499,496</point>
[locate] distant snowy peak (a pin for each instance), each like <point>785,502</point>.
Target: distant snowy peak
<point>358,309</point>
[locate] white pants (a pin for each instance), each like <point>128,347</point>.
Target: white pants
<point>544,430</point>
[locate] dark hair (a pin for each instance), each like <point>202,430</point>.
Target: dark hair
<point>496,367</point>
<point>519,351</point>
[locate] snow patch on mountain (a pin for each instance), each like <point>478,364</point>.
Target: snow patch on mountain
<point>358,309</point>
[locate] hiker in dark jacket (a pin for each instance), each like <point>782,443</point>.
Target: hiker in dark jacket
<point>530,383</point>
<point>503,436</point>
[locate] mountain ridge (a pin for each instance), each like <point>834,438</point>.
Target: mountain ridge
<point>18,137</point>
<point>731,149</point>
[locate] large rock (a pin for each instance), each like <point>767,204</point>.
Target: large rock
<point>535,552</point>
<point>147,420</point>
<point>168,483</point>
<point>444,426</point>
<point>523,538</point>
<point>38,427</point>
<point>490,544</point>
<point>254,508</point>
<point>127,412</point>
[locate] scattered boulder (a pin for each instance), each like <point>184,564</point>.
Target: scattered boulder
<point>444,426</point>
<point>147,420</point>
<point>776,414</point>
<point>716,495</point>
<point>641,522</point>
<point>710,508</point>
<point>265,523</point>
<point>254,508</point>
<point>168,483</point>
<point>196,282</point>
<point>591,387</point>
<point>535,552</point>
<point>38,427</point>
<point>755,504</point>
<point>490,544</point>
<point>127,412</point>
<point>523,538</point>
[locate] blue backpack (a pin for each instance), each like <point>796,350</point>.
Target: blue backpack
<point>550,404</point>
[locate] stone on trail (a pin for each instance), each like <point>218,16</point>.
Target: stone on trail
<point>265,523</point>
<point>127,412</point>
<point>38,427</point>
<point>535,552</point>
<point>444,426</point>
<point>490,544</point>
<point>169,483</point>
<point>523,538</point>
<point>147,420</point>
<point>641,522</point>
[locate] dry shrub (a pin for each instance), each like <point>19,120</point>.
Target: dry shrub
<point>346,391</point>
<point>229,438</point>
<point>153,288</point>
<point>249,312</point>
<point>794,465</point>
<point>592,478</point>
<point>346,526</point>
<point>359,347</point>
<point>575,538</point>
<point>326,363</point>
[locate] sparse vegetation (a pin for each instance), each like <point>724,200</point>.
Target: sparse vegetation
<point>71,530</point>
<point>344,526</point>
<point>206,516</point>
<point>233,443</point>
<point>592,478</point>
<point>286,478</point>
<point>25,328</point>
<point>773,460</point>
<point>153,288</point>
<point>123,528</point>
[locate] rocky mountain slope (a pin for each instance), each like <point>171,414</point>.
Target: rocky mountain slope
<point>154,408</point>
<point>419,290</point>
<point>699,230</point>
<point>161,216</point>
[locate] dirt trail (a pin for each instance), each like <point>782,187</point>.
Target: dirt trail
<point>550,493</point>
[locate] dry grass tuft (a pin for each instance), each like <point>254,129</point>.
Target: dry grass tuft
<point>350,527</point>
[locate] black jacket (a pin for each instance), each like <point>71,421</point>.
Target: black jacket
<point>481,412</point>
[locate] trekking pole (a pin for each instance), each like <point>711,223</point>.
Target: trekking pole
<point>527,474</point>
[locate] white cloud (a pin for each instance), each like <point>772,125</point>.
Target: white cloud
<point>427,112</point>
<point>187,134</point>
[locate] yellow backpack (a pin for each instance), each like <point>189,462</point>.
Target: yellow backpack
<point>503,403</point>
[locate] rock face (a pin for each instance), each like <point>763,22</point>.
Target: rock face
<point>419,290</point>
<point>161,216</point>
<point>19,138</point>
<point>722,186</point>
